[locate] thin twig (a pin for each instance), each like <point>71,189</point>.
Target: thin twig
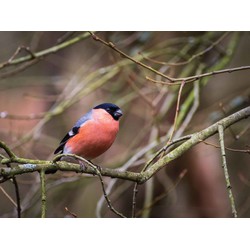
<point>106,196</point>
<point>201,53</point>
<point>194,140</point>
<point>65,36</point>
<point>165,194</point>
<point>6,115</point>
<point>196,93</point>
<point>43,193</point>
<point>135,191</point>
<point>246,151</point>
<point>164,149</point>
<point>189,79</point>
<point>8,196</point>
<point>72,214</point>
<point>20,68</point>
<point>225,113</point>
<point>176,112</point>
<point>18,50</point>
<point>35,55</point>
<point>34,58</point>
<point>224,166</point>
<point>124,168</point>
<point>9,152</point>
<point>17,197</point>
<point>171,83</point>
<point>170,79</point>
<point>139,92</point>
<point>243,131</point>
<point>98,173</point>
<point>148,197</point>
<point>112,46</point>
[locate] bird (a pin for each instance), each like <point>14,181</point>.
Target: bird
<point>93,134</point>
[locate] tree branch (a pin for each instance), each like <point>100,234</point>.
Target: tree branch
<point>189,79</point>
<point>43,193</point>
<point>224,166</point>
<point>194,140</point>
<point>199,54</point>
<point>30,165</point>
<point>171,80</point>
<point>19,210</point>
<point>40,54</point>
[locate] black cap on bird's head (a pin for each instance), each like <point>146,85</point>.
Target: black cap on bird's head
<point>112,109</point>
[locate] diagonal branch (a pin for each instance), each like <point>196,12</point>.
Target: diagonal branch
<point>194,140</point>
<point>8,151</point>
<point>98,173</point>
<point>30,165</point>
<point>170,80</point>
<point>35,55</point>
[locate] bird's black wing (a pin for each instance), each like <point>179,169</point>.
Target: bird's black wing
<point>73,131</point>
<point>70,134</point>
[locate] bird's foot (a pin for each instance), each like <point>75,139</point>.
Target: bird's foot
<point>96,166</point>
<point>83,166</point>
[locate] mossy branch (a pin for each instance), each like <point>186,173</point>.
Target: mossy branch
<point>225,169</point>
<point>29,165</point>
<point>43,193</point>
<point>35,55</point>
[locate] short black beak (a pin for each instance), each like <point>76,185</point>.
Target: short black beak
<point>117,114</point>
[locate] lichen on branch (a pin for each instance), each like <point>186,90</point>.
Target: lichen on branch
<point>24,166</point>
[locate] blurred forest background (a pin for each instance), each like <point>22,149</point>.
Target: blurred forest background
<point>41,98</point>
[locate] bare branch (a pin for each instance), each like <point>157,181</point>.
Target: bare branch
<point>72,214</point>
<point>98,173</point>
<point>30,165</point>
<point>112,46</point>
<point>176,81</point>
<point>201,53</point>
<point>35,55</point>
<point>43,194</point>
<point>171,80</point>
<point>165,194</point>
<point>19,210</point>
<point>224,166</point>
<point>6,115</point>
<point>135,191</point>
<point>176,112</point>
<point>246,151</point>
<point>8,196</point>
<point>195,139</point>
<point>7,150</point>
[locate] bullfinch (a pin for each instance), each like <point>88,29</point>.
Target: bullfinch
<point>93,133</point>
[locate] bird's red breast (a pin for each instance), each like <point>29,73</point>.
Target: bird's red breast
<point>95,136</point>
